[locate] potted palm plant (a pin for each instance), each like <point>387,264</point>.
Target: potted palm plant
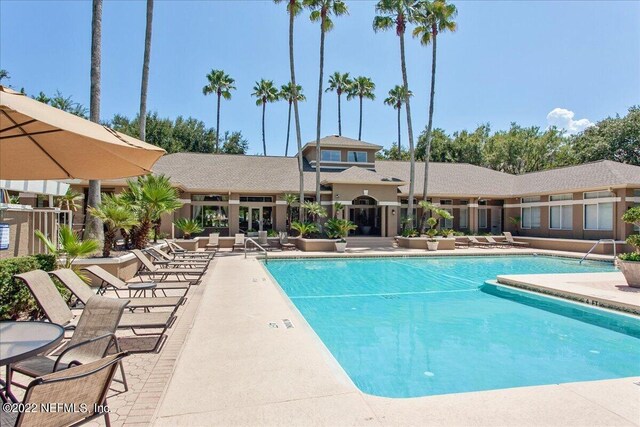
<point>432,242</point>
<point>629,263</point>
<point>339,229</point>
<point>188,227</point>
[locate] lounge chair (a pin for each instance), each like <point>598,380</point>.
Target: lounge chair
<point>462,243</point>
<point>92,339</point>
<point>284,242</point>
<point>56,310</point>
<point>109,281</point>
<point>147,268</point>
<point>239,242</point>
<point>510,241</point>
<point>214,242</point>
<point>83,386</point>
<point>162,258</point>
<point>263,240</point>
<point>84,293</point>
<point>495,243</point>
<point>177,250</point>
<point>473,241</point>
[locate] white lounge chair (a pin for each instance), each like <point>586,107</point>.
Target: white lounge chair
<point>214,242</point>
<point>239,242</point>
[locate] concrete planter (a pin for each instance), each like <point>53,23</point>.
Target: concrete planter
<point>432,245</point>
<point>316,245</point>
<point>187,244</point>
<point>631,272</point>
<point>421,243</point>
<point>341,246</point>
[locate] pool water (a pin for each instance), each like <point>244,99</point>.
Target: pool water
<point>408,327</point>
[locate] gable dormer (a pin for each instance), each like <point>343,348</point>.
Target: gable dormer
<point>339,152</point>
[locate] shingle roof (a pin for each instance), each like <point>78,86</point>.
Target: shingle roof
<point>224,173</point>
<point>335,141</point>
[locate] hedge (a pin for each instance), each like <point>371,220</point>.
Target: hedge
<point>16,301</point>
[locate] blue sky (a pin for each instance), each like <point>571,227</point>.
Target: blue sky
<point>508,61</point>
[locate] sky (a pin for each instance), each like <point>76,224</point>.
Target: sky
<point>537,63</point>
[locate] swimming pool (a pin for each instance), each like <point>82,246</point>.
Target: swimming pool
<point>408,327</point>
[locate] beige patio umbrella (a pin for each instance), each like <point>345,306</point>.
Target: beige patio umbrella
<point>38,141</point>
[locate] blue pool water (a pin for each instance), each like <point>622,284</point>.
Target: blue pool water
<point>408,327</point>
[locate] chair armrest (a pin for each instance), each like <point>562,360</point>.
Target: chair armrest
<point>112,338</point>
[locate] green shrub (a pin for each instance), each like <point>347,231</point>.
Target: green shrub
<point>15,299</point>
<point>630,256</point>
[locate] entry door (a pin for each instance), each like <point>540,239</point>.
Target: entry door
<point>256,218</point>
<point>496,220</point>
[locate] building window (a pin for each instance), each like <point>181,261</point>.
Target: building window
<point>482,218</point>
<point>356,156</point>
<point>446,202</point>
<point>598,216</point>
<point>561,217</point>
<point>259,199</point>
<point>598,194</point>
<point>211,216</point>
<point>531,199</point>
<point>464,218</point>
<point>209,198</point>
<point>558,197</point>
<point>530,217</point>
<point>330,156</point>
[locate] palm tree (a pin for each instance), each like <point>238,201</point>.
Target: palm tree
<point>362,87</point>
<point>4,74</point>
<point>432,17</point>
<point>69,201</point>
<point>69,245</point>
<point>321,10</point>
<point>294,7</point>
<point>145,72</point>
<point>397,13</point>
<point>395,99</point>
<point>339,83</point>
<point>290,200</point>
<point>115,217</point>
<point>265,92</point>
<point>287,93</point>
<point>93,225</point>
<point>222,85</point>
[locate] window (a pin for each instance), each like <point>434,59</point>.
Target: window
<point>330,156</point>
<point>531,199</point>
<point>211,216</point>
<point>464,218</point>
<point>259,199</point>
<point>598,194</point>
<point>482,218</point>
<point>598,216</point>
<point>357,156</point>
<point>558,197</point>
<point>561,217</point>
<point>209,198</point>
<point>446,202</point>
<point>530,217</point>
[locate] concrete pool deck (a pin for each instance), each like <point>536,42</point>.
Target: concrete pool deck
<point>237,368</point>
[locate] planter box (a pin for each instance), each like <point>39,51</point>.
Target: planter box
<point>315,245</point>
<point>631,271</point>
<point>421,243</point>
<point>188,244</point>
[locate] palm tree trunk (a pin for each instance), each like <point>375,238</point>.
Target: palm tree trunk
<point>399,145</point>
<point>145,72</point>
<point>295,107</point>
<point>286,147</point>
<point>264,141</point>
<point>218,125</point>
<point>339,115</point>
<point>412,159</point>
<point>360,126</point>
<point>93,225</point>
<point>427,153</point>
<point>319,117</point>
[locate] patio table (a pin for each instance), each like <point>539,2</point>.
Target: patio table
<point>21,340</point>
<point>141,288</point>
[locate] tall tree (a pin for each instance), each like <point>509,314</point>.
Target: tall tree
<point>339,83</point>
<point>93,225</point>
<point>145,71</point>
<point>294,7</point>
<point>362,87</point>
<point>4,75</point>
<point>321,11</point>
<point>288,93</point>
<point>395,99</point>
<point>265,92</point>
<point>221,84</point>
<point>432,17</point>
<point>396,14</point>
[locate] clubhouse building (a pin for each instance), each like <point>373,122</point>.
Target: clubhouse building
<point>238,193</point>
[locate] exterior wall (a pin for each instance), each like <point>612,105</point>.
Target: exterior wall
<point>346,193</point>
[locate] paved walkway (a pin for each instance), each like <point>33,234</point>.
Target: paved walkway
<point>237,368</point>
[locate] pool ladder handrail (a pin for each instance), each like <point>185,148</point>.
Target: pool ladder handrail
<point>249,239</point>
<point>596,244</point>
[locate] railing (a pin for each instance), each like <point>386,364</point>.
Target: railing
<point>597,243</point>
<point>249,239</point>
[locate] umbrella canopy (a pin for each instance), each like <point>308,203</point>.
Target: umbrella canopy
<point>38,141</point>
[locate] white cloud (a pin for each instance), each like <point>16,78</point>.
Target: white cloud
<point>563,119</point>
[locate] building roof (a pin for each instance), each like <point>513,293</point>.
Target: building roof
<point>195,172</point>
<point>335,141</point>
<point>359,175</point>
